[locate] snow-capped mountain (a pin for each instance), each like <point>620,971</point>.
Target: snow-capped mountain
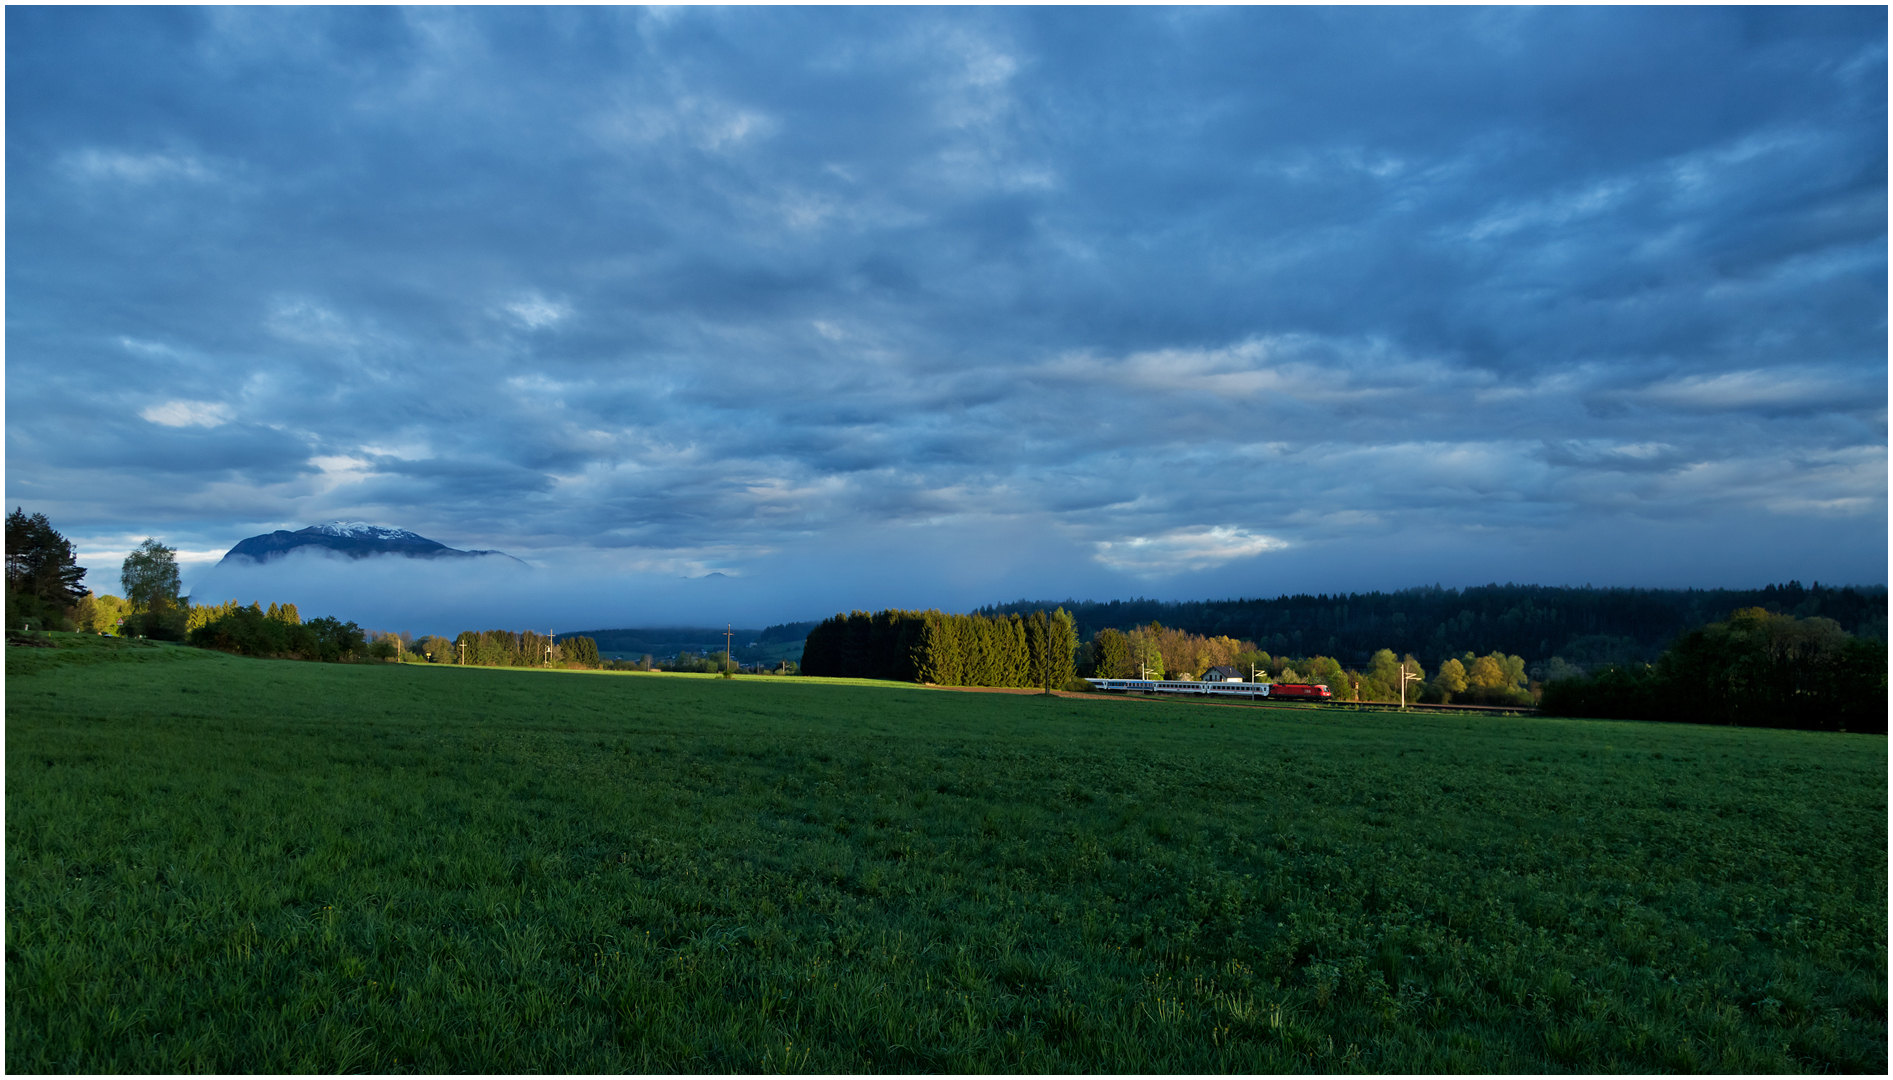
<point>363,531</point>
<point>355,539</point>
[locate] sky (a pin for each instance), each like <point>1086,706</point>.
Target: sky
<point>758,315</point>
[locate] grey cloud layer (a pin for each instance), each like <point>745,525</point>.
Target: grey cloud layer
<point>1175,292</point>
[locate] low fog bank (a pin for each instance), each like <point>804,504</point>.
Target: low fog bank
<point>961,566</point>
<point>445,596</point>
<point>573,591</point>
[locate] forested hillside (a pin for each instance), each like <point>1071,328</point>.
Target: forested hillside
<point>1583,626</point>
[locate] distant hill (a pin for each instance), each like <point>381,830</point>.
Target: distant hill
<point>1582,626</point>
<point>783,642</point>
<point>355,539</point>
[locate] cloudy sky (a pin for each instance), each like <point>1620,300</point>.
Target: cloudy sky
<point>871,307</point>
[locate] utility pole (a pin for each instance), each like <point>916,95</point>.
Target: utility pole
<point>728,631</point>
<point>1405,678</point>
<point>550,638</point>
<point>463,652</point>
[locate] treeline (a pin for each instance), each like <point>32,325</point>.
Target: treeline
<point>1757,669</point>
<point>1585,627</point>
<point>1161,652</point>
<point>1027,650</point>
<point>1034,649</point>
<point>277,632</point>
<point>664,641</point>
<point>707,664</point>
<point>783,633</point>
<point>748,647</point>
<point>45,590</point>
<point>201,615</point>
<point>505,648</point>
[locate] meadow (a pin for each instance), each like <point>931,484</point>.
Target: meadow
<point>233,865</point>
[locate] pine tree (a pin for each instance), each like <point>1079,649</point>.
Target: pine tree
<point>40,561</point>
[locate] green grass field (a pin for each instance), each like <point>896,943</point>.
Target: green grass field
<point>217,864</point>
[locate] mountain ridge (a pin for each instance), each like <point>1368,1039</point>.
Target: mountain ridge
<point>355,539</point>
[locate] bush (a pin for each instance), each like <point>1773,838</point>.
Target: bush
<point>1495,695</point>
<point>335,640</point>
<point>1615,693</point>
<point>166,623</point>
<point>25,609</point>
<point>248,632</point>
<point>1758,669</point>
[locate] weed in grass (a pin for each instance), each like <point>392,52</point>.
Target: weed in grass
<point>217,864</point>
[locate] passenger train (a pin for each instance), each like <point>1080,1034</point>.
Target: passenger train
<point>1278,691</point>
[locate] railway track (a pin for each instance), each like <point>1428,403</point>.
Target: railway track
<point>1272,695</point>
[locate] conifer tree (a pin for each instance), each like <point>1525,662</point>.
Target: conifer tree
<point>980,668</point>
<point>40,561</point>
<point>1110,655</point>
<point>1016,654</point>
<point>1038,650</point>
<point>1064,647</point>
<point>953,644</point>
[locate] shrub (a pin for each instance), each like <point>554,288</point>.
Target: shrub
<point>1758,669</point>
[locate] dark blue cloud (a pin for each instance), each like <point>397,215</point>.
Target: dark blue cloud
<point>867,306</point>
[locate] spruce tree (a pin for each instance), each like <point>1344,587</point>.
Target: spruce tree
<point>952,651</point>
<point>1037,654</point>
<point>1110,655</point>
<point>1064,645</point>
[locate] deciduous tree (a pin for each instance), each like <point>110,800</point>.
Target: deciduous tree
<point>150,576</point>
<point>1450,680</point>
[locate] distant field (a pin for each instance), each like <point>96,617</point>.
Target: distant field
<point>664,642</point>
<point>240,865</point>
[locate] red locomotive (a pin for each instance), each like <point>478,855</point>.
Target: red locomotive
<point>1301,691</point>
